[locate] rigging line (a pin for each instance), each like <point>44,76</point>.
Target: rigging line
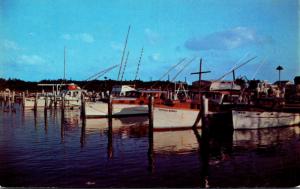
<point>186,64</point>
<point>101,72</point>
<point>240,60</point>
<point>235,68</point>
<point>121,64</point>
<point>174,66</point>
<point>262,62</point>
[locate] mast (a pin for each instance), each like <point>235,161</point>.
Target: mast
<point>200,78</point>
<point>123,53</point>
<point>125,66</point>
<point>64,63</point>
<point>139,63</point>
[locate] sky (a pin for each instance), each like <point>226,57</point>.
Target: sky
<point>224,33</point>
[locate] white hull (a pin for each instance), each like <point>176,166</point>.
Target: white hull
<point>100,109</point>
<point>169,118</point>
<point>29,102</point>
<point>257,120</point>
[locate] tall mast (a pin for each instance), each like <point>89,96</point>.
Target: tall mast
<point>139,63</point>
<point>64,63</point>
<point>125,65</point>
<point>123,52</point>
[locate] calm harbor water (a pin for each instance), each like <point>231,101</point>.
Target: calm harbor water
<point>46,150</point>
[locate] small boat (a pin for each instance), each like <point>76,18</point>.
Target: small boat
<point>257,119</point>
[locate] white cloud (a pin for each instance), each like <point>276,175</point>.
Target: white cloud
<point>116,46</point>
<point>226,40</point>
<point>30,59</point>
<point>84,37</point>
<point>155,57</point>
<point>152,36</point>
<point>10,45</point>
<point>66,36</point>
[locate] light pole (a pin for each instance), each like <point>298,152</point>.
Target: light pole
<point>279,68</point>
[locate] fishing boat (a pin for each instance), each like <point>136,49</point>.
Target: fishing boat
<point>257,119</point>
<point>71,94</point>
<point>125,102</point>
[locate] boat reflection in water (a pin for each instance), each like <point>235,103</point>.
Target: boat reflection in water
<point>179,142</point>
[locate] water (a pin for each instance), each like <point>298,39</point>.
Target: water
<point>55,152</point>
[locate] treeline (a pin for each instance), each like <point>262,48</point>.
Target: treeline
<point>94,85</point>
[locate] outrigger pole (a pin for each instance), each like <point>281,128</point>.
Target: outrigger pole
<point>125,65</point>
<point>123,53</point>
<point>182,60</point>
<point>139,63</point>
<point>64,80</point>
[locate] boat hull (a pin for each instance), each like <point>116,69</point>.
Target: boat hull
<point>265,119</point>
<point>173,118</point>
<point>100,109</point>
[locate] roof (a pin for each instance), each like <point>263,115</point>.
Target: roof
<point>284,82</point>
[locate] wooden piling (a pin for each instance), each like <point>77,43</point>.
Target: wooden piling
<point>204,115</point>
<point>46,102</point>
<point>35,102</point>
<point>110,107</point>
<point>83,113</point>
<point>55,101</point>
<point>150,134</point>
<point>110,139</point>
<point>150,113</point>
<point>23,99</point>
<point>9,101</point>
<point>82,136</point>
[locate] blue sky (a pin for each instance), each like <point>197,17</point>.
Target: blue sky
<point>224,33</point>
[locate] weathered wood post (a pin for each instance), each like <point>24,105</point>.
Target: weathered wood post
<point>204,107</point>
<point>55,101</point>
<point>23,99</point>
<point>150,134</point>
<point>46,105</point>
<point>46,101</point>
<point>82,137</point>
<point>35,102</point>
<point>9,101</point>
<point>110,107</point>
<point>110,139</point>
<point>83,113</point>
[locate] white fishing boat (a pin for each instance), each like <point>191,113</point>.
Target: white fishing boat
<point>174,118</point>
<point>253,119</point>
<point>124,102</point>
<point>100,109</point>
<point>71,94</point>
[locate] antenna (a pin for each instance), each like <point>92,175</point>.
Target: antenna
<point>125,65</point>
<point>123,52</point>
<point>139,63</point>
